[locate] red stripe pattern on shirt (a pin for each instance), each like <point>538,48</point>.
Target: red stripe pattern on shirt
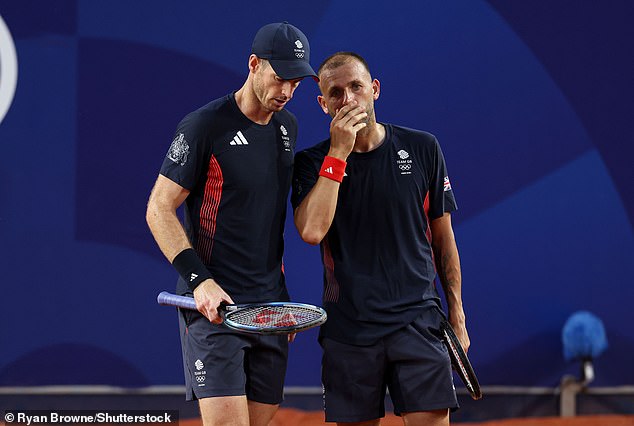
<point>209,210</point>
<point>428,230</point>
<point>331,290</point>
<point>426,210</point>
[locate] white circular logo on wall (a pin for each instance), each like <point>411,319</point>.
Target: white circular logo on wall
<point>8,69</point>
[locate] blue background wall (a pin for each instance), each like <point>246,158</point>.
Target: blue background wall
<point>532,102</point>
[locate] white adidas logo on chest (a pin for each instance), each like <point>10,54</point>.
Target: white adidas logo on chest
<point>239,139</point>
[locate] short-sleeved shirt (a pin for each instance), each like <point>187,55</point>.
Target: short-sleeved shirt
<point>239,174</point>
<point>378,265</point>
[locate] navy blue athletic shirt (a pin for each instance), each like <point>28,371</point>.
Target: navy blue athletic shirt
<point>239,175</point>
<point>378,268</point>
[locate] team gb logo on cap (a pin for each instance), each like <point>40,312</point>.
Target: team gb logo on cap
<point>299,52</point>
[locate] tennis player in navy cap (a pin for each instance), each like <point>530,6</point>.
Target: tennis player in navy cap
<point>230,163</point>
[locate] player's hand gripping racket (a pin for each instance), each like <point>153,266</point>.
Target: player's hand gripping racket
<point>459,361</point>
<point>260,318</point>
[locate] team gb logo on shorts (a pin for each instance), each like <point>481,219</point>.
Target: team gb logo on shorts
<point>8,69</point>
<point>179,150</point>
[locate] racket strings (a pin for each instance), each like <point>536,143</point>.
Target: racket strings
<point>274,316</point>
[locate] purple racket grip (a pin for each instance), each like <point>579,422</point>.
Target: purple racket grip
<point>165,298</point>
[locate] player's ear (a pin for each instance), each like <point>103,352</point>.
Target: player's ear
<point>323,104</point>
<point>254,63</point>
<point>376,89</point>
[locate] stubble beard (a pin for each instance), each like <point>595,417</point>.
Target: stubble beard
<point>370,120</point>
<point>268,105</point>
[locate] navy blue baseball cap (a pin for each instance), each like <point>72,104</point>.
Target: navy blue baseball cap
<point>286,48</point>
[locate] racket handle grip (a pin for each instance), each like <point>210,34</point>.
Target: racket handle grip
<point>165,298</point>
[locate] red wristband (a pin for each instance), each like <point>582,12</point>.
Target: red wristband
<point>333,168</point>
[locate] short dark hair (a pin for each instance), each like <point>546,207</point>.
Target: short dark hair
<point>338,59</point>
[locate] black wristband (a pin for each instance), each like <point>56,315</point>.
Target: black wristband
<point>191,268</point>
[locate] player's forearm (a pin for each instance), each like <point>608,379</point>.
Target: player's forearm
<point>167,230</point>
<point>315,214</point>
<point>448,265</point>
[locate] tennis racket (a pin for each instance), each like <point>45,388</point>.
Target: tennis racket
<point>258,318</point>
<point>459,361</point>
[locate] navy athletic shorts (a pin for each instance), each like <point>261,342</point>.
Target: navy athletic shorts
<point>413,363</point>
<point>221,362</point>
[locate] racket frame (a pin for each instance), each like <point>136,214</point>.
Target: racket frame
<point>460,361</point>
